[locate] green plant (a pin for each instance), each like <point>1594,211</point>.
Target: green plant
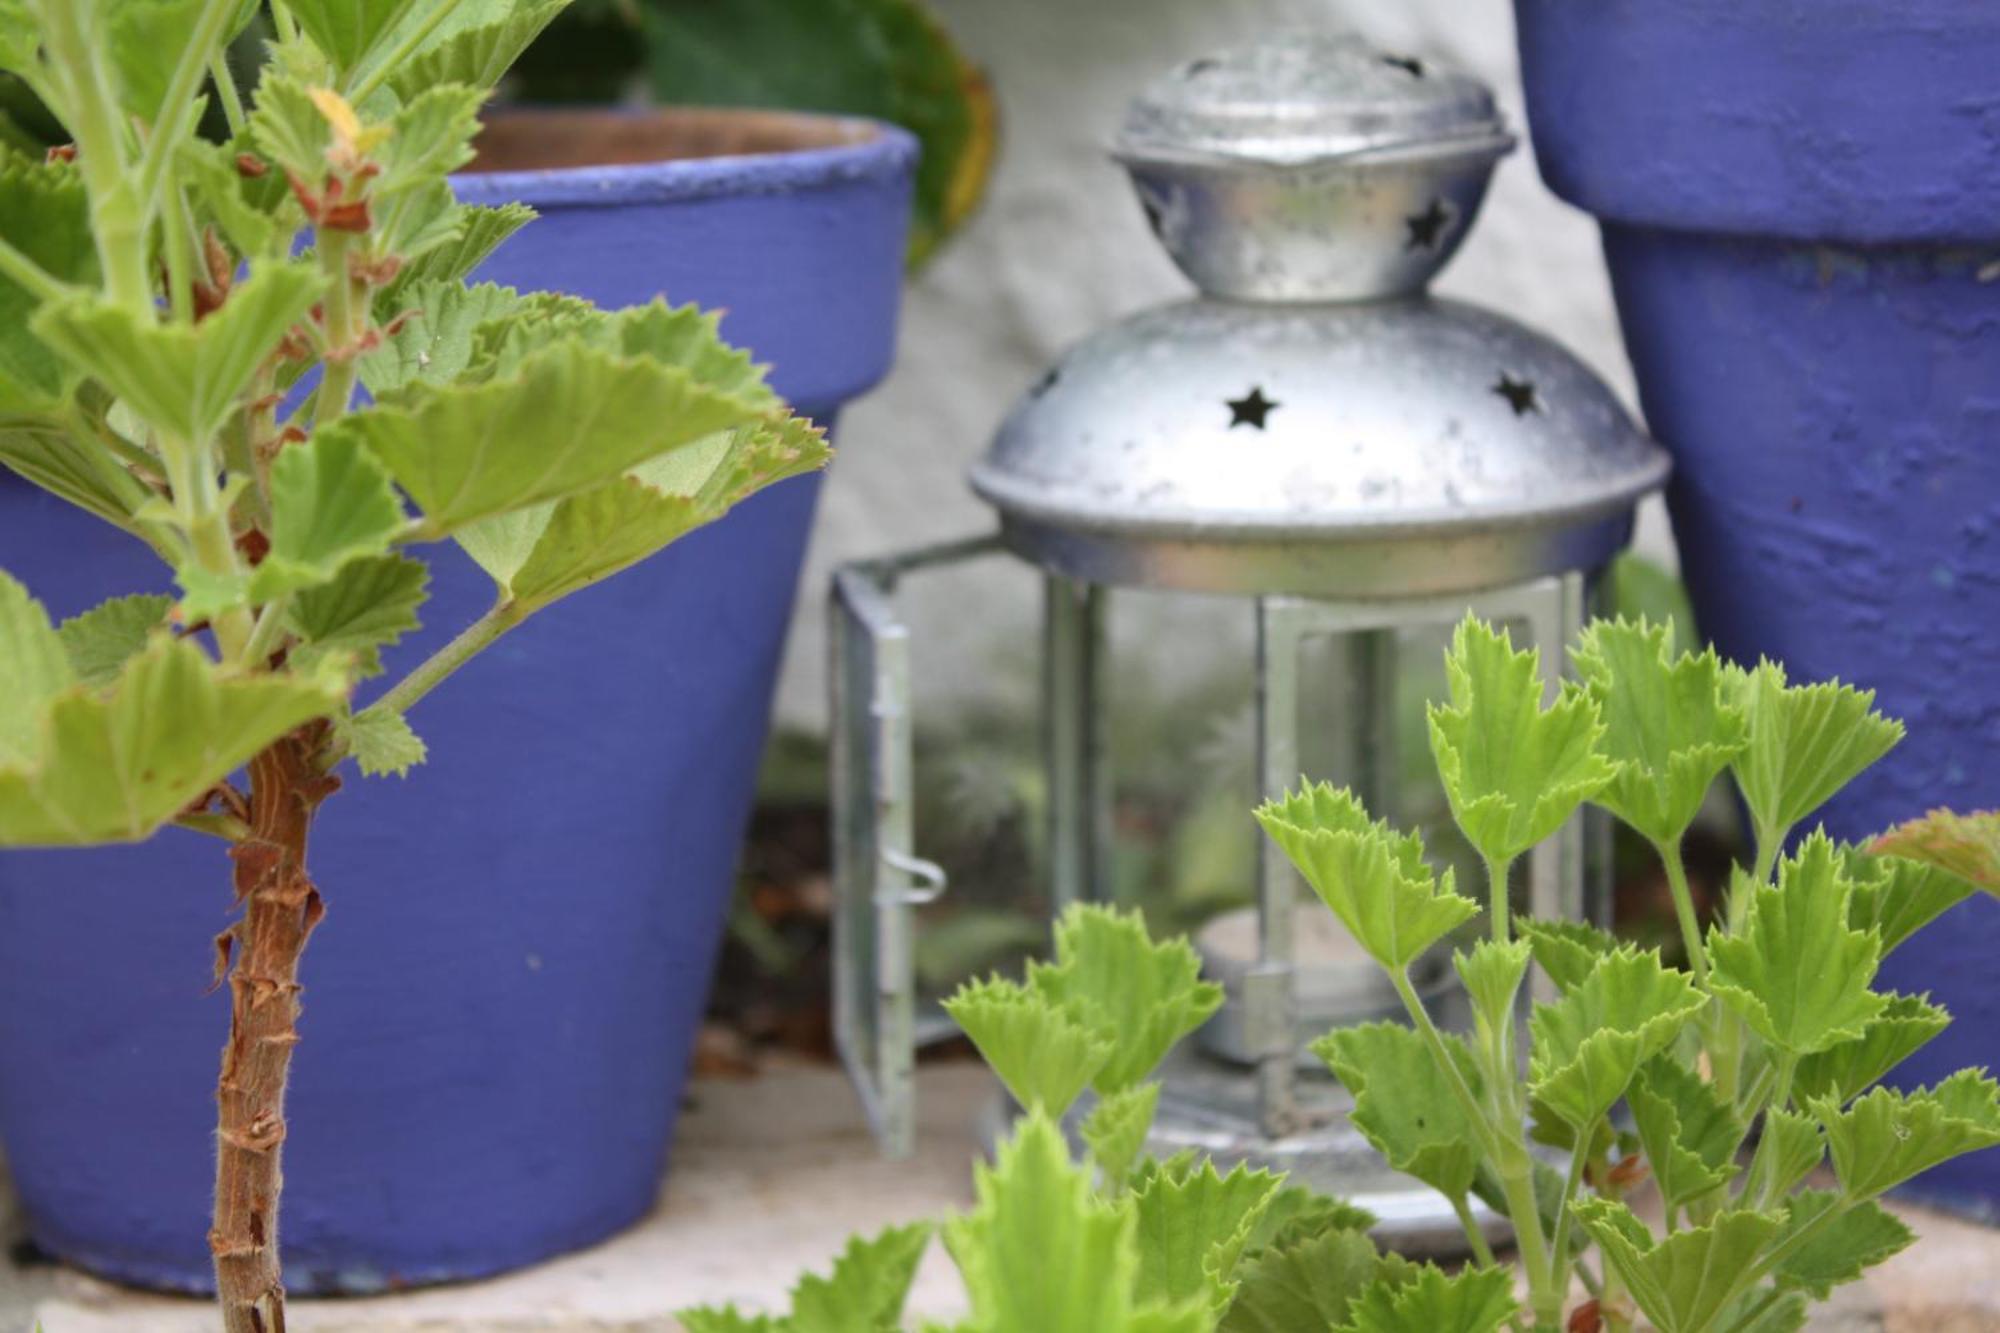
<point>1773,1028</point>
<point>162,302</point>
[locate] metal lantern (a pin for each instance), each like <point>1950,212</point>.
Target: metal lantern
<point>1313,434</point>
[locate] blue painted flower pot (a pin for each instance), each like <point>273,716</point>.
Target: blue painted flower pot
<point>501,1008</point>
<point>1800,202</point>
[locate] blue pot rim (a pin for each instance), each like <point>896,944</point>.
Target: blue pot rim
<point>879,152</point>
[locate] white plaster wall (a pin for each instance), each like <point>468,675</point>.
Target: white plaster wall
<point>1060,249</point>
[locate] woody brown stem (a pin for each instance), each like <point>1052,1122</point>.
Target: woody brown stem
<point>280,909</point>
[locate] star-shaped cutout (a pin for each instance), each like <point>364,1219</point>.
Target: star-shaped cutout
<point>1250,409</point>
<point>1410,65</point>
<point>1427,227</point>
<point>1521,395</point>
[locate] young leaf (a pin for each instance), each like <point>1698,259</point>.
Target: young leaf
<point>44,214</point>
<point>33,670</point>
<point>1309,1284</point>
<point>1838,1251</point>
<point>331,503</point>
<point>435,341</point>
<point>1896,897</point>
<point>476,233</point>
<point>1514,771</point>
<point>1191,1231</point>
<point>347,30</point>
<point>1297,1213</point>
<point>1683,1282</point>
<point>288,127</point>
<point>1886,1137</point>
<point>1790,1147</point>
<point>1116,1131</point>
<point>1404,1104</point>
<point>381,742</point>
<point>103,639</point>
<point>1492,974</point>
<point>868,1287</point>
<point>1589,1044</point>
<point>115,767</point>
<point>1044,1056</point>
<point>1690,1138</point>
<point>474,46</point>
<point>369,605</point>
<point>222,195</point>
<point>1967,846</point>
<point>1567,950</point>
<point>1139,995</point>
<point>430,136</point>
<point>1667,730</point>
<point>1474,1300</point>
<point>1374,879</point>
<point>1843,1072</point>
<point>1795,972</point>
<point>1806,742</point>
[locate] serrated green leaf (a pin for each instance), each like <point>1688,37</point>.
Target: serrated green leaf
<point>430,136</point>
<point>1514,771</point>
<point>1668,730</point>
<point>1492,974</point>
<point>17,36</point>
<point>1806,742</point>
<point>868,1287</point>
<point>114,767</point>
<point>1795,971</point>
<point>1373,879</point>
<point>347,30</point>
<point>1967,846</point>
<point>381,742</point>
<point>1588,1045</point>
<point>103,639</point>
<point>1297,1214</point>
<point>1844,1071</point>
<point>435,341</point>
<point>1404,1104</point>
<point>478,232</point>
<point>1567,950</point>
<point>1790,1147</point>
<point>1191,1231</point>
<point>467,50</point>
<point>1140,995</point>
<point>1684,1281</point>
<point>1844,1243</point>
<point>1885,1137</point>
<point>145,40</point>
<point>289,129</point>
<point>219,190</point>
<point>1044,1056</point>
<point>369,605</point>
<point>1473,1300</point>
<point>331,503</point>
<point>183,379</point>
<point>1689,1136</point>
<point>1116,1131</point>
<point>79,469</point>
<point>727,1319</point>
<point>45,214</point>
<point>34,669</point>
<point>1310,1284</point>
<point>1896,897</point>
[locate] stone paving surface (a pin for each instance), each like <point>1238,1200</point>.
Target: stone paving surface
<point>770,1176</point>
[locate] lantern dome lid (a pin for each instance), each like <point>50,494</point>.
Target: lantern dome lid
<point>1393,448</point>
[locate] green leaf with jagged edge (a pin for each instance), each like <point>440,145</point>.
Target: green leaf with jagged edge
<point>1689,1136</point>
<point>1684,1281</point>
<point>1588,1045</point>
<point>1191,1231</point>
<point>1844,1071</point>
<point>17,39</point>
<point>434,342</point>
<point>1845,1241</point>
<point>45,214</point>
<point>1668,729</point>
<point>1791,1147</point>
<point>1404,1104</point>
<point>34,669</point>
<point>286,127</point>
<point>346,31</point>
<point>369,605</point>
<point>869,1285</point>
<point>331,503</point>
<point>1492,975</point>
<point>1885,1137</point>
<point>78,469</point>
<point>1567,950</point>
<point>114,766</point>
<point>380,742</point>
<point>1473,1300</point>
<point>184,380</point>
<point>1044,1056</point>
<point>103,639</point>
<point>1967,846</point>
<point>728,1320</point>
<point>478,231</point>
<point>1896,897</point>
<point>474,45</point>
<point>1297,1213</point>
<point>1116,1131</point>
<point>571,419</point>
<point>1514,771</point>
<point>1041,1253</point>
<point>1140,995</point>
<point>1373,878</point>
<point>1796,972</point>
<point>144,40</point>
<point>1310,1283</point>
<point>684,336</point>
<point>1806,742</point>
<point>430,136</point>
<point>217,189</point>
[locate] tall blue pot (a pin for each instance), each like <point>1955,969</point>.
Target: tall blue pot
<point>1800,202</point>
<point>501,1007</point>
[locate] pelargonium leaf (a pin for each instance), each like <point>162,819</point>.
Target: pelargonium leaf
<point>1044,1056</point>
<point>474,45</point>
<point>1472,1300</point>
<point>1191,1231</point>
<point>728,1319</point>
<point>1567,950</point>
<point>1967,846</point>
<point>1682,1282</point>
<point>347,30</point>
<point>1790,1147</point>
<point>1404,1104</point>
<point>368,606</point>
<point>1373,878</point>
<point>478,230</point>
<point>1588,1045</point>
<point>868,1287</point>
<point>1885,1137</point>
<point>74,466</point>
<point>1846,1070</point>
<point>1796,972</point>
<point>1300,1213</point>
<point>1806,742</point>
<point>1310,1283</point>
<point>1896,897</point>
<point>144,40</point>
<point>1668,730</point>
<point>381,742</point>
<point>1140,995</point>
<point>1513,770</point>
<point>1689,1136</point>
<point>331,503</point>
<point>103,639</point>
<point>1492,973</point>
<point>1840,1250</point>
<point>1116,1130</point>
<point>434,342</point>
<point>45,214</point>
<point>34,669</point>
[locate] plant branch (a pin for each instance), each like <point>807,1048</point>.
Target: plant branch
<point>1677,883</point>
<point>434,670</point>
<point>224,79</point>
<point>1498,904</point>
<point>177,110</point>
<point>1476,1238</point>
